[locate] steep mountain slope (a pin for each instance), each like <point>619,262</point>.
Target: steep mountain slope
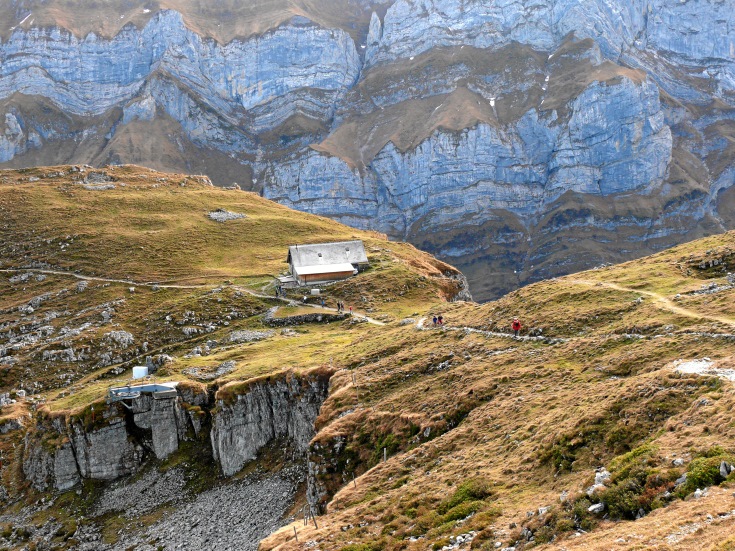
<point>105,269</point>
<point>457,436</point>
<point>489,133</point>
<point>495,439</point>
<point>129,227</point>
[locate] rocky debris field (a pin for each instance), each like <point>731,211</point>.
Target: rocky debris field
<point>231,516</point>
<point>140,495</point>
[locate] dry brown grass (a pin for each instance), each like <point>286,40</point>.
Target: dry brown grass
<point>527,420</point>
<point>499,410</point>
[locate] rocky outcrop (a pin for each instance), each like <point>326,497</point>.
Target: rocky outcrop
<point>518,169</point>
<point>208,88</point>
<point>284,408</point>
<point>165,418</point>
<point>104,446</point>
<point>104,453</point>
<point>60,453</point>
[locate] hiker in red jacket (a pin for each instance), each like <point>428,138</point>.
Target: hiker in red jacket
<point>516,326</point>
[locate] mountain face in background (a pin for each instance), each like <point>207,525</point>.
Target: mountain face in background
<point>516,140</point>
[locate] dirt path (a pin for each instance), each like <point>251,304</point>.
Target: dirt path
<point>103,279</point>
<point>285,300</point>
<point>420,325</point>
<point>355,315</point>
<point>659,300</point>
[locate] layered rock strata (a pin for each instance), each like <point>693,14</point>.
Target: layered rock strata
<point>497,135</point>
<point>60,453</point>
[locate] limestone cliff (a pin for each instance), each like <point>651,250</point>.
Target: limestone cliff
<point>285,408</point>
<point>498,135</point>
<point>61,452</point>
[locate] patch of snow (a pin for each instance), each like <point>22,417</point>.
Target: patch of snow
<point>19,24</point>
<point>705,366</point>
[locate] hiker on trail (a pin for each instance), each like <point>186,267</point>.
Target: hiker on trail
<point>350,310</point>
<point>304,299</point>
<point>435,320</point>
<point>440,319</point>
<point>323,303</point>
<point>516,326</point>
<point>339,307</point>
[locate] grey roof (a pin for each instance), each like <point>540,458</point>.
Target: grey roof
<point>327,253</point>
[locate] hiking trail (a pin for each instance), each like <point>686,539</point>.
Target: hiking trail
<point>660,300</point>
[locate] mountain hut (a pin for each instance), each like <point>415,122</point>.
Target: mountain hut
<point>324,262</point>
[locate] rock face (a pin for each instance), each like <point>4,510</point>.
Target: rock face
<point>166,420</point>
<point>61,453</point>
<point>285,408</point>
<point>493,134</point>
<point>101,454</point>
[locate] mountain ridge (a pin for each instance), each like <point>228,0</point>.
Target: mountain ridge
<point>364,120</point>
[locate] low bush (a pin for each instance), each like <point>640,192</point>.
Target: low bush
<point>474,489</point>
<point>705,471</point>
<point>463,510</point>
<point>362,547</point>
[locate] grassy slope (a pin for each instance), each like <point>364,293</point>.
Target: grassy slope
<point>522,420</point>
<point>153,227</point>
<point>534,420</point>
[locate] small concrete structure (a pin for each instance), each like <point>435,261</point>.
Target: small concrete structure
<point>156,390</point>
<point>140,371</point>
<point>324,262</point>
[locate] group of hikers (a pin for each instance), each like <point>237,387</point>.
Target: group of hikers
<point>437,319</point>
<point>515,324</point>
<point>341,307</point>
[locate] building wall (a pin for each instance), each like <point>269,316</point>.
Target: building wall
<point>316,278</point>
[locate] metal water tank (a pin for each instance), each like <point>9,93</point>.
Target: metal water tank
<point>140,371</point>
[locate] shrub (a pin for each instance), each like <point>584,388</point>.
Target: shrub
<point>637,483</point>
<point>582,517</point>
<point>545,534</point>
<point>425,523</point>
<point>362,547</point>
<point>463,510</point>
<point>703,472</point>
<point>564,524</point>
<point>622,499</point>
<point>471,490</point>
